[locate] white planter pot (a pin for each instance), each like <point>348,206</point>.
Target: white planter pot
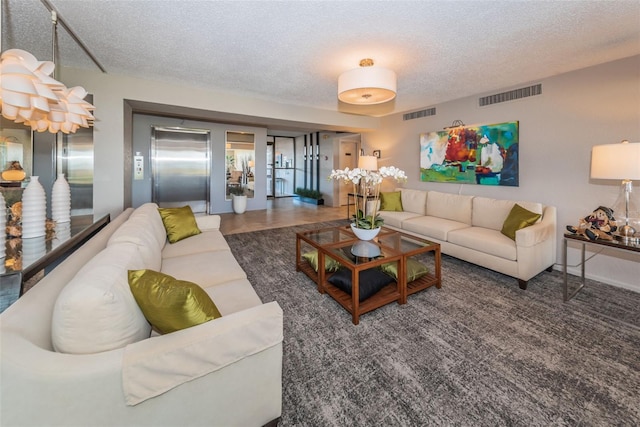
<point>364,234</point>
<point>239,204</point>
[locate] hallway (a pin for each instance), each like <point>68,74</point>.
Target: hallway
<point>281,212</point>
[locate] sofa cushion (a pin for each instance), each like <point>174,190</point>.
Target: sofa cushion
<point>391,201</point>
<point>148,217</point>
<point>207,241</point>
<point>180,223</point>
<point>431,226</point>
<point>395,219</point>
<point>491,213</point>
<point>234,295</point>
<point>517,219</point>
<point>484,240</point>
<point>414,201</point>
<point>170,304</point>
<point>142,236</point>
<point>96,311</point>
<point>449,206</point>
<point>204,268</point>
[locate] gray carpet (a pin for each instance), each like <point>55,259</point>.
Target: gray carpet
<point>479,351</point>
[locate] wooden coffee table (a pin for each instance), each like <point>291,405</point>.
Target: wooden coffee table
<point>392,246</point>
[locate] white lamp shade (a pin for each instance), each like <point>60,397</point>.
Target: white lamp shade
<point>616,161</point>
<point>367,85</point>
<point>368,163</point>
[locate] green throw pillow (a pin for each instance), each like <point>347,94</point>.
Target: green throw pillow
<point>170,304</point>
<point>179,223</point>
<point>391,201</point>
<point>330,264</point>
<point>415,269</point>
<point>518,218</point>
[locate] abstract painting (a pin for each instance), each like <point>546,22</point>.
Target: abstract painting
<point>476,154</point>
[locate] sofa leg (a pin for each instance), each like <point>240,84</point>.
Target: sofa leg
<point>523,284</point>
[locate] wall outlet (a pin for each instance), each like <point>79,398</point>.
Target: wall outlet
<point>138,167</point>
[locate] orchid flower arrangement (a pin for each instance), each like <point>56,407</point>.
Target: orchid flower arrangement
<point>362,180</point>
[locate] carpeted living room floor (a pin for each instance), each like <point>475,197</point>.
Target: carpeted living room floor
<point>479,351</point>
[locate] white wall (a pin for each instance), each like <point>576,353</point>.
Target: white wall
<point>576,111</point>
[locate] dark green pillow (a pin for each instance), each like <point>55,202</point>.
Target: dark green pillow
<point>170,304</point>
<point>391,201</point>
<point>179,223</point>
<point>518,218</point>
<point>415,269</point>
<point>330,264</point>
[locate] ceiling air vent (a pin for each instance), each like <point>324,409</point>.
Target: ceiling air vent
<point>421,113</point>
<point>523,92</point>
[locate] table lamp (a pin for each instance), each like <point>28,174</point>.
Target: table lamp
<point>369,163</point>
<point>620,161</point>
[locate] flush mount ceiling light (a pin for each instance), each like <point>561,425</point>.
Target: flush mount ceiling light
<point>367,85</point>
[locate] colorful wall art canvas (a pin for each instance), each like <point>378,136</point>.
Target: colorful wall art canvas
<point>477,154</point>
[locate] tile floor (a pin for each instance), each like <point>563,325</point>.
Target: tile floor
<point>282,212</point>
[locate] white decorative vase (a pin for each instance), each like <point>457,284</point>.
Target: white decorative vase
<point>63,233</point>
<point>34,209</point>
<point>33,249</point>
<point>3,227</point>
<point>61,200</point>
<point>239,204</point>
<point>364,234</point>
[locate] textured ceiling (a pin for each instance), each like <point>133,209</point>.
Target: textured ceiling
<point>293,51</point>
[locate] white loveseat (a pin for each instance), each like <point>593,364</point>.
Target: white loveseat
<point>225,372</point>
<point>469,228</point>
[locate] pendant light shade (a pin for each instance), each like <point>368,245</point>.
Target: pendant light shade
<point>367,85</point>
<point>29,95</point>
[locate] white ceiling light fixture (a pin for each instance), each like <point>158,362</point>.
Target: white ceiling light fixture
<point>29,93</point>
<point>367,85</point>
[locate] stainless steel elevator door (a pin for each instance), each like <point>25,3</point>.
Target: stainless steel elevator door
<point>180,167</point>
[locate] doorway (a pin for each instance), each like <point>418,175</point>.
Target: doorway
<point>348,158</point>
<point>281,166</point>
<point>180,171</point>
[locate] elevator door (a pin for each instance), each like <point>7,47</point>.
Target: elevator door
<point>180,167</point>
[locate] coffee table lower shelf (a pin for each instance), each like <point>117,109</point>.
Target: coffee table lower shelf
<point>422,283</point>
<point>384,296</point>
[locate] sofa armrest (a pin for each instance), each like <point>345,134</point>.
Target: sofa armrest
<point>208,222</point>
<point>156,365</point>
<point>539,232</point>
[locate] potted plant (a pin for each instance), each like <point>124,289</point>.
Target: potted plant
<point>366,225</point>
<point>309,196</point>
<point>238,199</point>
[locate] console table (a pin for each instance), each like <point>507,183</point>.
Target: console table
<point>26,257</point>
<point>615,244</point>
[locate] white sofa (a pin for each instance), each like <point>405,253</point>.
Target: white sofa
<point>225,372</point>
<point>469,228</point>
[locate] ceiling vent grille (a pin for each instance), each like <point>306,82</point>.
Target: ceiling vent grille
<point>421,113</point>
<point>511,95</point>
